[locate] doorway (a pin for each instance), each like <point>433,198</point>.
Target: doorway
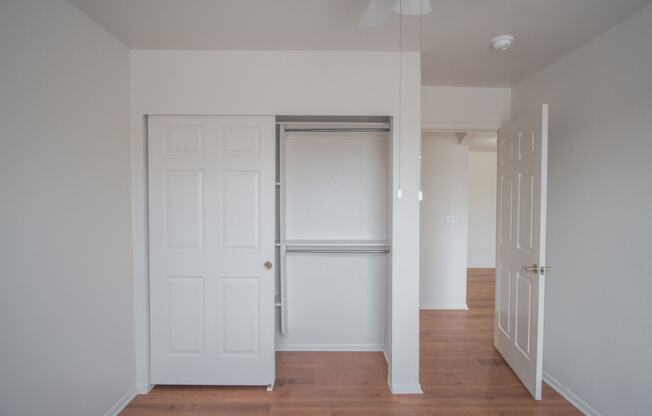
<point>520,236</point>
<point>458,214</point>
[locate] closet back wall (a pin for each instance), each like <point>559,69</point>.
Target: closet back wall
<point>335,189</point>
<point>296,83</point>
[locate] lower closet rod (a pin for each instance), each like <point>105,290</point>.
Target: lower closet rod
<point>335,129</point>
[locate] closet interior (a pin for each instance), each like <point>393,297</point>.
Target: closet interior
<point>333,204</point>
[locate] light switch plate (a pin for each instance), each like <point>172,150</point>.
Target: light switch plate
<point>450,219</point>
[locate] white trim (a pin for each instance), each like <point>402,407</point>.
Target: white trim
<point>573,398</point>
<point>140,247</point>
<point>144,389</point>
<point>331,347</point>
<point>462,306</point>
<point>389,369</point>
<point>405,388</point>
<point>143,386</point>
<point>121,403</point>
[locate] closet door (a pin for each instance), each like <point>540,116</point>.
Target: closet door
<point>211,212</point>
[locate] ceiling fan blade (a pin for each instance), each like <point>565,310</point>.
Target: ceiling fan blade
<point>377,12</point>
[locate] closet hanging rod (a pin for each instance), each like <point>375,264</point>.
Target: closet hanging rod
<point>336,251</point>
<point>343,129</point>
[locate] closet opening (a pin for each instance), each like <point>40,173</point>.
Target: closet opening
<point>333,233</point>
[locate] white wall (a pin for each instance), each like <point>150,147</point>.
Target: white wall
<point>444,245</point>
<point>597,339</point>
<point>292,83</point>
<point>66,292</point>
<point>464,108</point>
<point>482,209</point>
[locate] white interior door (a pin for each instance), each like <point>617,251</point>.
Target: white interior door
<point>521,242</point>
<point>211,212</point>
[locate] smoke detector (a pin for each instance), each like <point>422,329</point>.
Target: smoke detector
<point>502,42</point>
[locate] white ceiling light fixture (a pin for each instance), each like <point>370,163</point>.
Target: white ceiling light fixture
<point>502,42</point>
<point>379,10</point>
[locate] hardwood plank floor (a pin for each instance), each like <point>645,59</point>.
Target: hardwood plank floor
<point>461,374</point>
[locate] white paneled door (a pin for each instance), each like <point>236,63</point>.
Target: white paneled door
<point>520,248</point>
<point>211,226</point>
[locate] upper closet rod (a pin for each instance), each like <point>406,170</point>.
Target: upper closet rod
<point>335,129</point>
<point>338,251</point>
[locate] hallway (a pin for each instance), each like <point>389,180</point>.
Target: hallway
<point>461,374</point>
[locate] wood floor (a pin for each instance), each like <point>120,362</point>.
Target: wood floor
<point>461,374</point>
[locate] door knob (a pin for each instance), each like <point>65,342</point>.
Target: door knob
<point>268,265</point>
<point>537,269</point>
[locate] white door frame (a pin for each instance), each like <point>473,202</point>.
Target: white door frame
<point>405,357</point>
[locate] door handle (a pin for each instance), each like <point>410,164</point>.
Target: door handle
<point>268,265</point>
<point>537,269</point>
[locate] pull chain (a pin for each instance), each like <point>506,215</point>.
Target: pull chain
<point>399,194</point>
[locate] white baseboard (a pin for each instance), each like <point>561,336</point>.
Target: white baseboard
<point>121,403</point>
<point>462,306</point>
<point>330,347</point>
<point>144,389</point>
<point>405,388</point>
<point>573,398</point>
<point>389,369</point>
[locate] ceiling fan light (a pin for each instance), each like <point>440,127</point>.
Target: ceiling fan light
<point>413,7</point>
